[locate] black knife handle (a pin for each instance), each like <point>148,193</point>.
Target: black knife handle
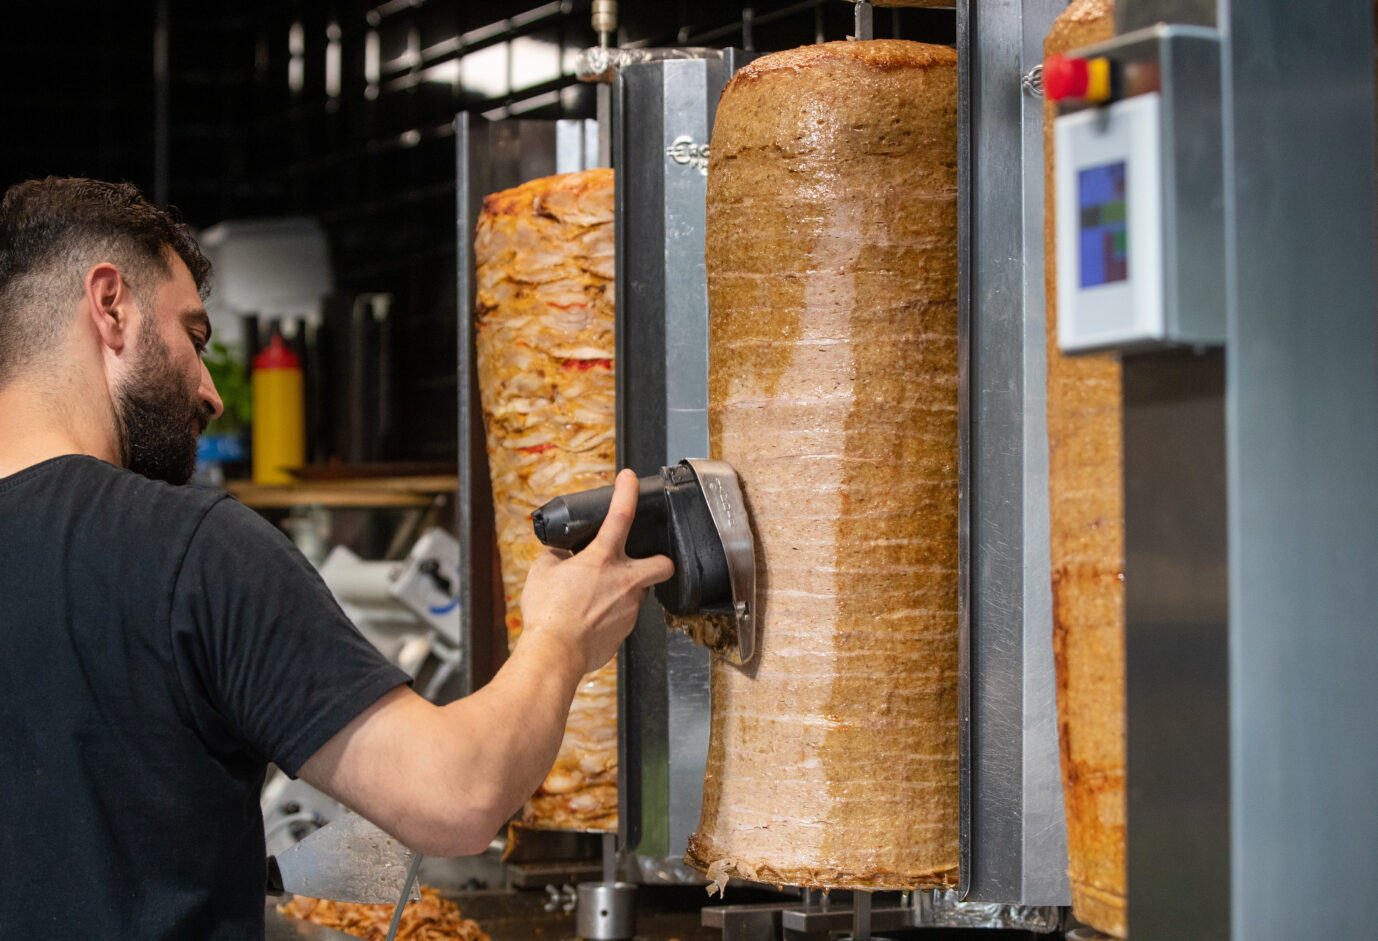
<point>571,521</point>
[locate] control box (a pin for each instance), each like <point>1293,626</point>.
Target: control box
<point>1139,184</point>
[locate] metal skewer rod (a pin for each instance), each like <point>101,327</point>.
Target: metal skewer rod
<point>865,29</point>
<point>605,25</point>
<point>861,916</point>
<point>406,894</point>
<point>610,857</point>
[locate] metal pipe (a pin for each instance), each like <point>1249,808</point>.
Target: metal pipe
<point>865,26</point>
<point>610,857</point>
<point>861,901</point>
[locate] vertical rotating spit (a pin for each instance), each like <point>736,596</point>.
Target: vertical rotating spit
<point>606,911</point>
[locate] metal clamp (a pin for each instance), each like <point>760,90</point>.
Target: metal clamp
<point>560,898</point>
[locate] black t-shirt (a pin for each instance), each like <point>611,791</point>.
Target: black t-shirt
<point>158,646</point>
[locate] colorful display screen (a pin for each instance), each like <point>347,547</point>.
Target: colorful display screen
<point>1104,242</point>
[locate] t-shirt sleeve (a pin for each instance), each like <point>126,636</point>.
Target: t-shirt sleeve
<point>268,661</point>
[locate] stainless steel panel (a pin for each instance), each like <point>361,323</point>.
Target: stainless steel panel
<point>663,114</point>
<point>685,130</point>
<point>1136,14</point>
<point>1303,448</point>
<point>1014,833</point>
<point>1175,645</point>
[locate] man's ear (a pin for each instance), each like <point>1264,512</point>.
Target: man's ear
<point>108,303</point>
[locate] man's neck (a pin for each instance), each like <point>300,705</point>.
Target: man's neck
<point>34,428</point>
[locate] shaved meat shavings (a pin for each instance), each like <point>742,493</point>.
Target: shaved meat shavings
<point>431,919</point>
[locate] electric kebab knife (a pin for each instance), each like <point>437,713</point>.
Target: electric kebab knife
<point>694,513</point>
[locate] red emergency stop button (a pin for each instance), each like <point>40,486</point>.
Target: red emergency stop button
<point>1065,78</point>
<point>1087,79</point>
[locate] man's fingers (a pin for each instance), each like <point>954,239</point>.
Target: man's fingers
<point>652,571</point>
<point>612,535</point>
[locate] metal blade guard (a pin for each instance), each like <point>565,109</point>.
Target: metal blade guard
<point>347,860</point>
<point>694,513</point>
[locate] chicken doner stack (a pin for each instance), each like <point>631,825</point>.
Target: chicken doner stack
<point>832,279</point>
<point>544,254</point>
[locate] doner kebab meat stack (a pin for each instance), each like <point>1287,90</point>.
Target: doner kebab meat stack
<point>544,254</point>
<point>1085,466</point>
<point>832,280</point>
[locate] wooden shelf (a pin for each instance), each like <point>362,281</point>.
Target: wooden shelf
<point>345,492</point>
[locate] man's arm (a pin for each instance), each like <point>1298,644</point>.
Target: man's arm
<point>444,779</point>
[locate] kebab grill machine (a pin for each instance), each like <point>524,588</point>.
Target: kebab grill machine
<point>662,107</point>
<point>1171,178</point>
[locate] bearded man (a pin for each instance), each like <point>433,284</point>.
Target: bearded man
<point>160,644</point>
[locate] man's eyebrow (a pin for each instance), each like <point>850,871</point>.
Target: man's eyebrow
<point>197,317</point>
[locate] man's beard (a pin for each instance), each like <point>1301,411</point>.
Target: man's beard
<point>159,417</point>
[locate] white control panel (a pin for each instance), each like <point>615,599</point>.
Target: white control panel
<point>1110,235</point>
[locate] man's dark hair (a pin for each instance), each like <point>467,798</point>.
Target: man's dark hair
<point>52,231</point>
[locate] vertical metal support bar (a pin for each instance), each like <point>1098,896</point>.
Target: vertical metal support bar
<point>1044,821</point>
<point>662,121</point>
<point>610,857</point>
<point>1303,448</point>
<point>1176,621</point>
<point>861,915</point>
<point>603,105</point>
<point>643,697</point>
<point>964,26</point>
<point>640,383</point>
<point>1014,833</point>
<point>689,95</point>
<point>475,497</point>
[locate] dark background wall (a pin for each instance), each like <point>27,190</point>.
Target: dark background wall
<point>245,116</point>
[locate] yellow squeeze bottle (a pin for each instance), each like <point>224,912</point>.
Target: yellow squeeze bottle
<point>279,423</point>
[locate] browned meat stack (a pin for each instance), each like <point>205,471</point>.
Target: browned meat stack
<point>832,279</point>
<point>544,252</point>
<point>1085,461</point>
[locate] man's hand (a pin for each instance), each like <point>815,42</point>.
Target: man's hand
<point>590,600</point>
